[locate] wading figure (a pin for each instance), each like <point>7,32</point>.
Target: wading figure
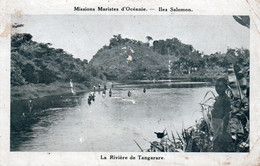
<point>93,97</point>
<point>222,141</point>
<point>129,93</point>
<point>89,101</point>
<point>110,92</point>
<point>99,87</point>
<point>144,90</point>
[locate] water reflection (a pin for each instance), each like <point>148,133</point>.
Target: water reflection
<point>109,123</point>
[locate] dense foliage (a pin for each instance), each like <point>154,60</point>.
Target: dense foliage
<point>33,62</point>
<point>125,59</point>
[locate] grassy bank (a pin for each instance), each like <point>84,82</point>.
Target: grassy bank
<point>32,91</point>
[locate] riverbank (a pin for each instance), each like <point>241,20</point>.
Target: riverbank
<point>32,91</point>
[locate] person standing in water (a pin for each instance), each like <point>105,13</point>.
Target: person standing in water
<point>93,96</point>
<point>89,101</point>
<point>222,140</point>
<point>98,87</point>
<point>110,92</point>
<point>129,93</point>
<point>144,90</point>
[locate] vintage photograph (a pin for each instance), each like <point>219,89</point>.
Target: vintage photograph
<point>130,83</point>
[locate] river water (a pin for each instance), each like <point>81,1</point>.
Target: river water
<point>112,123</point>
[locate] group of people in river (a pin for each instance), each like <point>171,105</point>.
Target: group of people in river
<point>92,95</point>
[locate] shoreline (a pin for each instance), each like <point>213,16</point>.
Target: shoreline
<point>34,91</point>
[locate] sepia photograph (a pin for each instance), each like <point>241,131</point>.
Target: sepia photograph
<point>130,83</point>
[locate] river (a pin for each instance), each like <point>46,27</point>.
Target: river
<point>110,124</point>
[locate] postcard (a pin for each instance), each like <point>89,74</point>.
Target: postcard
<point>129,83</point>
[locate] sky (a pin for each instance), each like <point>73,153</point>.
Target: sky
<point>83,35</point>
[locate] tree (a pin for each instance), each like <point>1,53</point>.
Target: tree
<point>149,38</point>
<point>116,40</point>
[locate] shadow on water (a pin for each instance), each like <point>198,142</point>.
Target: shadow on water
<point>25,113</point>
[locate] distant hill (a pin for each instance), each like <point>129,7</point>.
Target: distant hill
<point>39,63</point>
<point>130,60</point>
<point>127,59</point>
